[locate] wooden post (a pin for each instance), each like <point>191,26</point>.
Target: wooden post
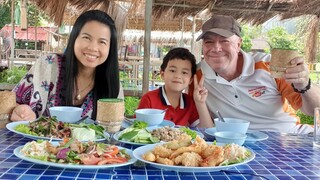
<point>192,33</point>
<point>12,35</point>
<point>24,21</point>
<point>147,41</point>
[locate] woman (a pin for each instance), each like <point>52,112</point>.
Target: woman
<point>86,72</point>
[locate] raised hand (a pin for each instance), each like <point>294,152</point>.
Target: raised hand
<point>299,74</point>
<point>200,93</point>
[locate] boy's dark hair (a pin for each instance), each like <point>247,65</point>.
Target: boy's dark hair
<point>107,81</point>
<point>179,53</point>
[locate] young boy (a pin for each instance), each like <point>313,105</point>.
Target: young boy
<point>177,71</point>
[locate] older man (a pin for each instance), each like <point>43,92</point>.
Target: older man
<point>240,85</point>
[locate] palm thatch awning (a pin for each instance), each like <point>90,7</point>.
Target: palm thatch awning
<point>164,11</point>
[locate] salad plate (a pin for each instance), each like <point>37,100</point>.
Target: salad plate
<point>117,135</point>
<point>11,127</point>
<point>138,153</point>
<point>125,124</point>
<point>252,135</point>
<point>74,166</point>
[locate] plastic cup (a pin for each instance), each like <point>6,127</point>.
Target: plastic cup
<point>316,133</point>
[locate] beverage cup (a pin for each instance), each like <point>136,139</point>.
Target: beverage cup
<point>316,133</point>
<point>280,61</point>
<point>110,114</point>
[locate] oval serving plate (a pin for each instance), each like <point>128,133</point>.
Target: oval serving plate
<point>138,152</point>
<point>117,135</point>
<point>11,127</point>
<point>74,166</point>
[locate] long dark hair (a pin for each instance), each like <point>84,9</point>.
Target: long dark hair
<point>106,83</point>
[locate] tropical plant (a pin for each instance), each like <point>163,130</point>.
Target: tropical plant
<point>305,119</point>
<point>35,16</point>
<point>279,38</point>
<point>13,75</point>
<point>131,103</point>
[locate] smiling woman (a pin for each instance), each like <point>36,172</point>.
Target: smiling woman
<point>86,72</point>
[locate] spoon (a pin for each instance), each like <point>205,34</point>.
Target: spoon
<point>164,110</point>
<point>128,120</point>
<point>82,119</point>
<point>220,116</point>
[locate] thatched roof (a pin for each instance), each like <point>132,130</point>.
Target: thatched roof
<point>167,13</point>
<point>171,15</point>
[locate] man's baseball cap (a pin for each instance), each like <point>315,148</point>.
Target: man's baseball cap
<point>225,26</point>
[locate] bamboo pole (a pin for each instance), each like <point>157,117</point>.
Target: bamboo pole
<point>147,41</point>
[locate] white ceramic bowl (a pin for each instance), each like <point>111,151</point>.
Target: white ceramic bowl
<point>66,114</point>
<point>153,117</point>
<point>232,124</point>
<point>228,137</point>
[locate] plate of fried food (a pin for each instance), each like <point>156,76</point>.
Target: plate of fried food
<point>49,128</point>
<point>186,155</point>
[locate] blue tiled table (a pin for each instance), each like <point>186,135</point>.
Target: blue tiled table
<point>279,157</point>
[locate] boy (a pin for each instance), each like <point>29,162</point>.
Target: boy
<point>177,71</point>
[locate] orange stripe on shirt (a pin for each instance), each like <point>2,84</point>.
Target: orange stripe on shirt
<point>292,101</point>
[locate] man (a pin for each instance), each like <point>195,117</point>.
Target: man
<point>240,85</point>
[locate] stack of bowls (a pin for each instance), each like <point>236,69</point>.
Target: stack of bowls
<point>233,130</point>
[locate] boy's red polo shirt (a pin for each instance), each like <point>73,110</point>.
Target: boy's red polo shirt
<point>185,115</point>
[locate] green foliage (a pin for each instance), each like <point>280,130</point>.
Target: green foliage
<point>13,75</point>
<point>248,33</point>
<point>246,44</point>
<point>5,17</point>
<point>131,103</point>
<point>305,119</point>
<point>35,16</point>
<point>279,38</point>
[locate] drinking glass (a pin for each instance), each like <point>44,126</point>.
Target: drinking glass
<point>316,133</point>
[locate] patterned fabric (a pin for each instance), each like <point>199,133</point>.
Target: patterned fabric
<point>42,86</point>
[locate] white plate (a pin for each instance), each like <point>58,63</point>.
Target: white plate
<point>164,123</point>
<point>117,135</point>
<point>74,166</point>
<point>138,152</point>
<point>252,135</point>
<point>11,127</point>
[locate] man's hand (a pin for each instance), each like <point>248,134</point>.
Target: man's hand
<point>299,74</point>
<point>23,113</point>
<point>200,93</point>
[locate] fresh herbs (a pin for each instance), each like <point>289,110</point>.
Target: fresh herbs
<point>137,133</point>
<point>188,131</point>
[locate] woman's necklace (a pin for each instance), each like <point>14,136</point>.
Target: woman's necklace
<point>78,96</point>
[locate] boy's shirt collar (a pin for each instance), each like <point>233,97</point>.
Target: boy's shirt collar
<point>165,101</point>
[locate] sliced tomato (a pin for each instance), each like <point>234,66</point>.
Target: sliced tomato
<point>114,160</point>
<point>114,150</point>
<point>89,159</point>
